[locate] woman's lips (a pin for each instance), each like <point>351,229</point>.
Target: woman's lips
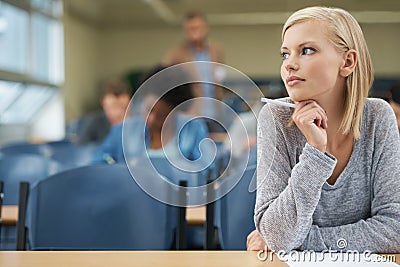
<point>293,80</point>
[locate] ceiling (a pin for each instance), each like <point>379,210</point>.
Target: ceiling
<point>111,13</point>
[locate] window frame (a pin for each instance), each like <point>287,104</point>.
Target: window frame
<point>27,77</point>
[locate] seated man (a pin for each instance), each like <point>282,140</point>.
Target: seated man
<point>161,130</point>
<point>115,98</point>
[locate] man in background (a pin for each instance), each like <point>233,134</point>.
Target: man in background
<point>197,47</point>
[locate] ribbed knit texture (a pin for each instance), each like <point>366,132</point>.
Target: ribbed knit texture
<point>297,207</point>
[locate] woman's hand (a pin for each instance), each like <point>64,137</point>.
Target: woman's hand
<point>255,241</point>
<point>312,122</point>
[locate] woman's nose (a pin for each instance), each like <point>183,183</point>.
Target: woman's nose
<point>291,64</point>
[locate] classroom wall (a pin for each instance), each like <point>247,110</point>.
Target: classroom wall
<point>252,49</point>
<point>81,67</point>
<point>93,54</point>
<point>383,41</point>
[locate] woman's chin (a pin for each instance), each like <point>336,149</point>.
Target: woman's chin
<point>298,98</point>
<point>292,95</point>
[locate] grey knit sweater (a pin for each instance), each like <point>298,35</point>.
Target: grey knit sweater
<point>297,207</point>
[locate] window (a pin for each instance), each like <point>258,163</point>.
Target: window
<point>46,49</point>
<point>31,57</point>
<point>22,102</point>
<point>51,7</point>
<point>14,24</point>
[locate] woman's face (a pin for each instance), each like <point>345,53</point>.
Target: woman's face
<point>310,67</point>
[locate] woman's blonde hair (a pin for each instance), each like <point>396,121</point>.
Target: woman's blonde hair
<point>345,33</point>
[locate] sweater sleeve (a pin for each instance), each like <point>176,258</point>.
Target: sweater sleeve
<point>286,197</point>
<point>379,233</point>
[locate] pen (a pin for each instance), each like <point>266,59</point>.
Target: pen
<point>278,102</point>
<point>108,159</point>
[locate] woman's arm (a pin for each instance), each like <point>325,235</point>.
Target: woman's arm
<point>381,232</point>
<point>286,198</point>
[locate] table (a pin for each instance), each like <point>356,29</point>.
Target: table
<point>194,216</point>
<point>9,215</point>
<point>133,258</point>
<point>137,258</point>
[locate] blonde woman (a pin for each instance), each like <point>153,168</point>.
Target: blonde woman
<point>332,181</point>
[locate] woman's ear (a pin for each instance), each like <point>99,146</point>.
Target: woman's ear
<point>349,63</point>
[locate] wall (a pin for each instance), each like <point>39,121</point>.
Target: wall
<point>383,41</point>
<point>252,49</point>
<point>93,55</point>
<point>81,67</point>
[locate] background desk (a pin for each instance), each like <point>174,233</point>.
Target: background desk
<point>9,215</point>
<point>194,216</point>
<point>133,258</point>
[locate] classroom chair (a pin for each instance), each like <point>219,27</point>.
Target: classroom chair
<point>70,154</point>
<point>16,168</point>
<point>26,148</point>
<point>234,212</point>
<point>98,207</point>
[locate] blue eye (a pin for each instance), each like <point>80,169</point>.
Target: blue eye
<point>308,51</point>
<point>284,55</point>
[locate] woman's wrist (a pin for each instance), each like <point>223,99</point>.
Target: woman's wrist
<point>321,148</point>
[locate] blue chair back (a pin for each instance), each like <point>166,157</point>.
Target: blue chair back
<point>175,174</point>
<point>15,168</point>
<point>235,211</point>
<point>98,207</point>
<point>72,155</point>
<point>27,148</point>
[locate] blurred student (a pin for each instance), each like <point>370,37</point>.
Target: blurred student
<point>161,129</point>
<point>197,47</point>
<point>395,101</point>
<point>115,98</point>
<point>333,182</point>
